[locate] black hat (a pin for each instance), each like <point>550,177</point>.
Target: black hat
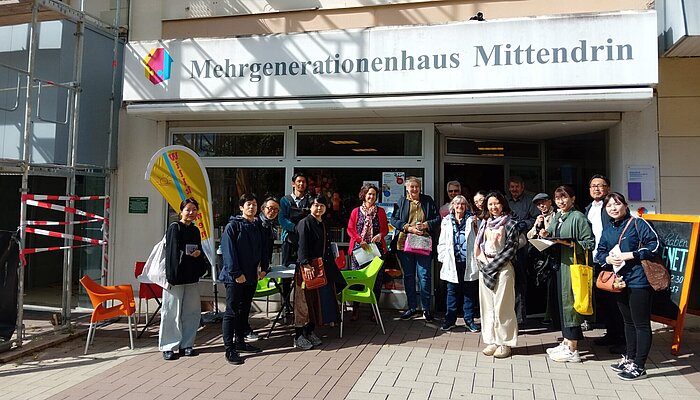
<point>540,196</point>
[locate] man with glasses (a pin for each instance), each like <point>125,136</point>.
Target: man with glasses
<point>606,305</point>
<point>453,189</point>
<point>267,221</point>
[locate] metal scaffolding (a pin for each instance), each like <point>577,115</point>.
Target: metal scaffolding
<point>32,12</point>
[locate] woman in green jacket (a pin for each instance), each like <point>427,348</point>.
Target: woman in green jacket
<point>573,228</point>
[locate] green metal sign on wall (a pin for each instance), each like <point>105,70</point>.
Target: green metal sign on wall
<point>138,205</point>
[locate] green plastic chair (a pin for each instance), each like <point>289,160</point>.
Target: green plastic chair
<point>364,277</point>
<point>266,288</point>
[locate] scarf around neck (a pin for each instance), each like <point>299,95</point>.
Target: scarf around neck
<point>491,223</point>
<point>367,228</point>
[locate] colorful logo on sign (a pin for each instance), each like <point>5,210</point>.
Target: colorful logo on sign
<point>157,64</point>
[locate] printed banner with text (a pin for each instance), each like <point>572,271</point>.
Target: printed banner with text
<point>177,173</point>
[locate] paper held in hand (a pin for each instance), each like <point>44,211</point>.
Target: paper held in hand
<point>541,244</point>
<point>366,253</point>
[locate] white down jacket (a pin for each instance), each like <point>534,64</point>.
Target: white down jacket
<point>446,252</point>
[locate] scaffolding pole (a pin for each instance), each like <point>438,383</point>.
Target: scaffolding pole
<point>26,159</point>
<point>81,19</point>
<point>70,182</point>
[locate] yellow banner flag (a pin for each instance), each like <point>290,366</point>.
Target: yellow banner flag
<point>177,173</point>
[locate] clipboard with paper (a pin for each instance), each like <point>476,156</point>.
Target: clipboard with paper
<point>544,244</point>
<point>365,253</point>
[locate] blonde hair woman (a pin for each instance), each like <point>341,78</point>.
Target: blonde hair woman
<point>416,214</point>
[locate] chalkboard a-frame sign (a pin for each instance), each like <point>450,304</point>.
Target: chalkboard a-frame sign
<point>679,235</point>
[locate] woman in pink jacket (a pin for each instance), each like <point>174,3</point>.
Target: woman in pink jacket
<point>367,224</point>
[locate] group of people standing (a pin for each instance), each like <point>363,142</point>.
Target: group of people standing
<point>481,244</point>
<point>486,242</point>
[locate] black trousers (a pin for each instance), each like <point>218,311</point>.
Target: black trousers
<point>521,261</point>
<point>635,306</point>
<point>239,298</point>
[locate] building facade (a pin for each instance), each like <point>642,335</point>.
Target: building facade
<point>551,91</point>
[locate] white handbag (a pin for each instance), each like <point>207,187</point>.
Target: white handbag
<point>154,270</point>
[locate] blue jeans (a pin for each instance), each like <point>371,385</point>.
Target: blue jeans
<point>468,290</point>
<point>412,263</point>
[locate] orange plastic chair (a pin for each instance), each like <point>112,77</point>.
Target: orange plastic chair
<point>99,295</point>
<point>147,291</point>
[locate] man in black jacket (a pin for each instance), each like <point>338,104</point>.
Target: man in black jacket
<point>244,249</point>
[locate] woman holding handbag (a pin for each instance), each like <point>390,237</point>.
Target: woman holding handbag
<point>367,225</point>
<point>623,244</point>
<point>315,305</point>
<point>577,236</point>
<point>416,220</point>
<point>494,249</point>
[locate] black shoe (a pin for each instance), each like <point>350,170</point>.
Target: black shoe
<point>233,358</point>
<point>428,316</point>
<point>243,347</point>
<point>408,314</point>
<point>446,326</point>
<point>169,356</point>
<point>632,373</point>
<point>618,349</point>
<point>472,327</point>
<point>605,340</point>
<point>188,352</point>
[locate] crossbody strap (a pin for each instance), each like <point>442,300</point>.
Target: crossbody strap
<point>619,240</point>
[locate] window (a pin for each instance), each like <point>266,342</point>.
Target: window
<point>360,144</point>
<point>492,148</point>
<point>256,144</point>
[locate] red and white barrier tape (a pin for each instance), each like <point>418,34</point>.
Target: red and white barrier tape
<point>85,221</point>
<point>57,207</point>
<point>43,249</point>
<point>63,198</point>
<point>44,232</point>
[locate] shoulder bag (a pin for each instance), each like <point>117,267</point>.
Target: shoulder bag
<point>582,285</point>
<point>606,279</point>
<point>319,280</point>
<point>655,270</point>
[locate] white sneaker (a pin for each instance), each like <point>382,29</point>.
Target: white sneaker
<point>566,356</point>
<point>502,352</point>
<point>252,337</point>
<point>489,350</point>
<point>315,340</point>
<point>303,343</point>
<point>560,347</point>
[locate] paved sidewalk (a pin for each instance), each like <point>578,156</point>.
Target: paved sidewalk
<point>415,360</point>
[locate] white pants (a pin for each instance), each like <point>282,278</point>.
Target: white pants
<point>499,324</point>
<point>179,317</point>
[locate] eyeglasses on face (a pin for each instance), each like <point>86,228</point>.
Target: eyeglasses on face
<point>272,208</point>
<point>453,191</point>
<point>598,186</point>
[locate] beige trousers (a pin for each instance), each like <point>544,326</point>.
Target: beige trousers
<point>499,324</point>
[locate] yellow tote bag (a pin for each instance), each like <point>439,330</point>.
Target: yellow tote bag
<point>582,285</point>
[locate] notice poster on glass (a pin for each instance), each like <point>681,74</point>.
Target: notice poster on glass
<point>392,186</point>
<point>641,183</point>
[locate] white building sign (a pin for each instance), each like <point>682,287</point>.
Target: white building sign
<point>604,50</point>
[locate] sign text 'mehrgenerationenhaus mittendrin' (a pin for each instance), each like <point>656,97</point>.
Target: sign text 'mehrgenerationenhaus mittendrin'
<point>493,56</point>
<point>569,52</point>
